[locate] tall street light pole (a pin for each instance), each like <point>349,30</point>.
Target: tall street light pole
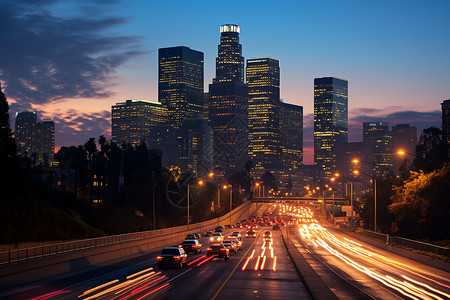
<point>356,172</point>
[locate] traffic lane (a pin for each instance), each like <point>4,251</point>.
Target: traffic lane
<point>402,268</point>
<point>277,279</point>
<point>379,272</point>
<point>201,282</point>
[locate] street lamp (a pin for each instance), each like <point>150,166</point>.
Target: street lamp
<point>356,172</point>
<point>188,205</point>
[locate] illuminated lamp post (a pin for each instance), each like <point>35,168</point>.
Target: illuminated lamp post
<point>356,172</point>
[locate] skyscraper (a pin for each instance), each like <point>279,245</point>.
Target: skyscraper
<point>263,79</point>
<point>291,127</point>
<point>180,83</point>
<point>46,142</point>
<point>404,137</point>
<point>26,133</point>
<point>228,102</point>
<point>330,123</point>
<point>132,121</point>
<point>377,139</point>
<point>445,105</point>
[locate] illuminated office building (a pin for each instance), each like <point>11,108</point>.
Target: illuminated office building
<point>263,79</point>
<point>26,133</point>
<point>291,128</point>
<point>377,139</point>
<point>228,102</point>
<point>445,105</point>
<point>132,121</point>
<point>330,124</point>
<point>180,83</point>
<point>46,142</point>
<point>404,137</point>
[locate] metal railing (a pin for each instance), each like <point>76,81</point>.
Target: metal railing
<point>12,256</point>
<point>416,245</point>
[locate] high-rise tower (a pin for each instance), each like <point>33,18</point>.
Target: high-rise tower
<point>291,127</point>
<point>330,123</point>
<point>377,139</point>
<point>263,79</point>
<point>26,133</point>
<point>228,101</point>
<point>180,83</point>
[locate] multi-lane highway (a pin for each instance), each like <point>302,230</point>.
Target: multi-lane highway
<point>262,270</point>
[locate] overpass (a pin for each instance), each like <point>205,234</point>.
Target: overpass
<point>300,200</point>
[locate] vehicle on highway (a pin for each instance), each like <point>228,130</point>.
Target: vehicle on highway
<point>231,245</point>
<point>237,241</point>
<point>267,234</point>
<point>216,237</point>
<point>191,236</point>
<point>208,233</point>
<point>235,234</point>
<point>276,227</point>
<point>218,229</point>
<point>172,256</point>
<point>192,246</point>
<point>250,234</point>
<point>218,250</point>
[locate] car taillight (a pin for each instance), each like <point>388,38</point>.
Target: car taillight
<point>177,257</point>
<point>209,249</point>
<point>159,257</point>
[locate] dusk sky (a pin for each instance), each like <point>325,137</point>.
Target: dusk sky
<point>72,60</point>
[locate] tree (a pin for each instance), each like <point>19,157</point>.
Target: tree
<point>421,205</point>
<point>269,181</point>
<point>431,150</point>
<point>8,152</point>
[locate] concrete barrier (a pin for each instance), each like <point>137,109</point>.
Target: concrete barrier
<point>23,272</point>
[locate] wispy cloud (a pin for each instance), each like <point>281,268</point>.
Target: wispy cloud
<point>50,58</point>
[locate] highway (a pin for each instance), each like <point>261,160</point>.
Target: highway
<point>261,270</point>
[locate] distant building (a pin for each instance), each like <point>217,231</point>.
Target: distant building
<point>228,103</point>
<point>180,83</point>
<point>26,133</point>
<point>330,124</point>
<point>132,121</point>
<point>263,79</point>
<point>291,128</point>
<point>404,137</point>
<point>195,146</point>
<point>446,122</point>
<point>377,139</point>
<point>46,142</point>
<point>35,139</point>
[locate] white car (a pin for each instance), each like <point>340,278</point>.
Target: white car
<point>216,237</point>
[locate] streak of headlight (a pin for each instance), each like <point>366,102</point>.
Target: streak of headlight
<point>408,289</point>
<point>196,260</point>
<point>263,263</point>
<point>348,240</point>
<point>274,268</point>
<point>315,244</point>
<point>251,256</point>
<point>50,295</point>
<point>139,273</point>
<point>257,263</point>
<point>245,264</point>
<point>205,260</point>
<point>143,287</point>
<point>263,252</point>
<point>98,287</point>
<point>151,292</point>
<point>427,286</point>
<point>271,253</point>
<point>423,291</point>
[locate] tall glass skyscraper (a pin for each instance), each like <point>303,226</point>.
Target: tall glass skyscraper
<point>180,83</point>
<point>377,139</point>
<point>291,127</point>
<point>228,101</point>
<point>26,133</point>
<point>263,79</point>
<point>330,124</point>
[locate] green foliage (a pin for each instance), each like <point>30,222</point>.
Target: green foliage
<point>431,150</point>
<point>421,206</point>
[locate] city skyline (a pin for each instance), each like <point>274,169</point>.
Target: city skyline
<point>399,61</point>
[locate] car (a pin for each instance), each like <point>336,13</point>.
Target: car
<point>267,234</point>
<point>235,234</point>
<point>192,246</point>
<point>251,234</point>
<point>172,256</point>
<point>218,250</point>
<point>216,237</point>
<point>276,227</point>
<point>218,229</point>
<point>198,234</point>
<point>208,233</point>
<point>191,236</point>
<point>237,241</point>
<point>231,245</point>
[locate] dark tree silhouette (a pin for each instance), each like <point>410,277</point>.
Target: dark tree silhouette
<point>431,150</point>
<point>269,181</point>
